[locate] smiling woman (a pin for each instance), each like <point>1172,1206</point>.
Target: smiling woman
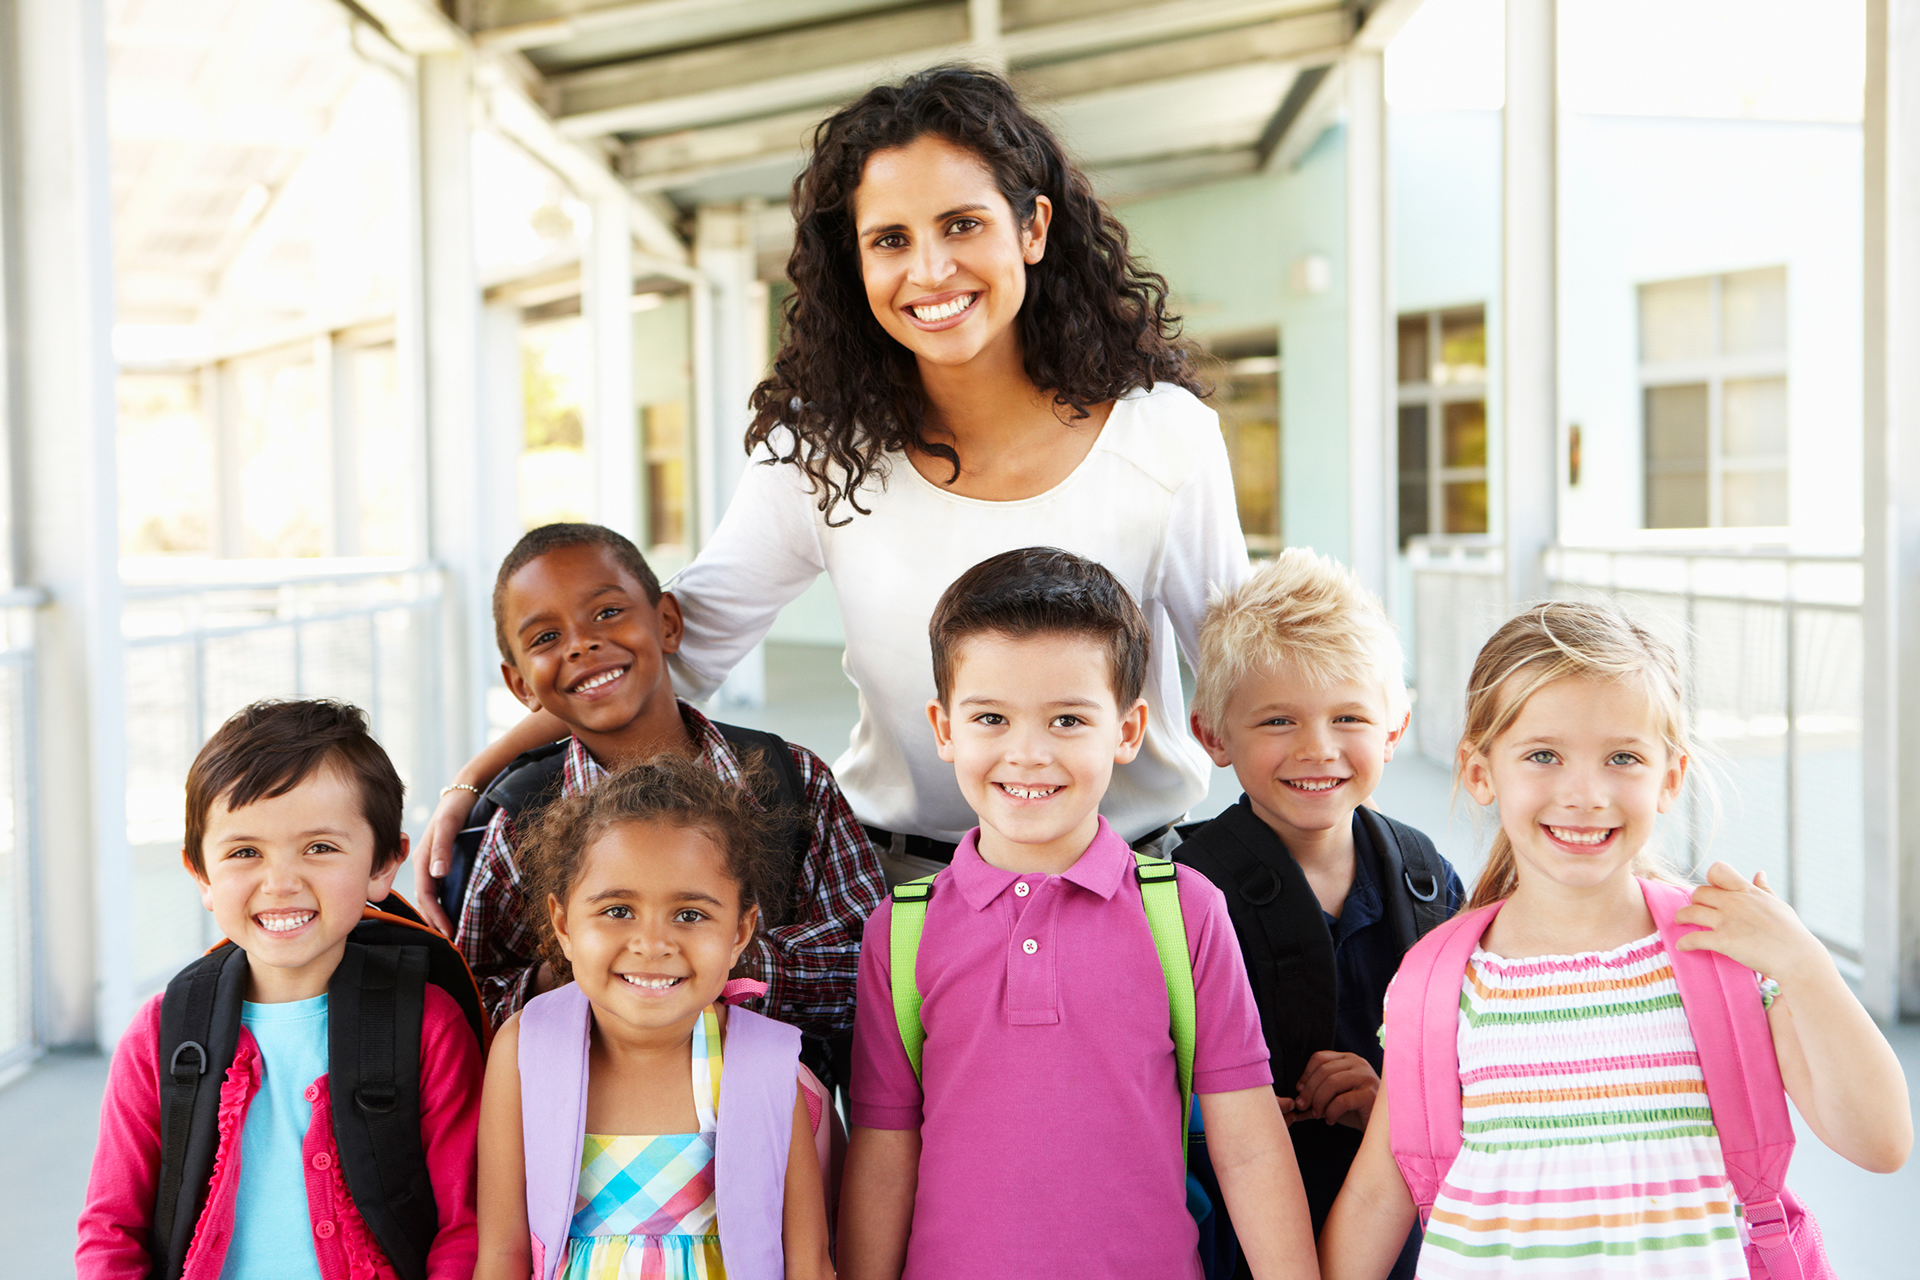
<point>973,361</point>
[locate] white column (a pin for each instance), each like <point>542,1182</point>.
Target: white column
<point>448,336</point>
<point>606,303</point>
<point>61,312</point>
<point>1890,479</point>
<point>734,318</point>
<point>219,402</point>
<point>1530,416</point>
<point>333,371</point>
<point>1370,459</point>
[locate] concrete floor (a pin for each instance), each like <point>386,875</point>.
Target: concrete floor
<point>50,1114</point>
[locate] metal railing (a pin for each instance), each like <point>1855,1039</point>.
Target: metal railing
<point>1771,645</point>
<point>17,888</point>
<point>364,632</point>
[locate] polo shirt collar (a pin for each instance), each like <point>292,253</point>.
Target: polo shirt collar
<point>1100,870</point>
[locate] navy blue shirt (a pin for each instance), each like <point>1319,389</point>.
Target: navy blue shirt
<point>1366,954</point>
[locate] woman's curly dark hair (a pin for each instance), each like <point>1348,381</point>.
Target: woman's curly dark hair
<point>1093,326</point>
<point>670,789</point>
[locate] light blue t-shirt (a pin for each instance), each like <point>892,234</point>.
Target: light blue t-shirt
<point>272,1227</point>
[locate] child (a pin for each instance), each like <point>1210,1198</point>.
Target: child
<point>1300,692</point>
<point>1043,1138</point>
<point>584,632</point>
<point>598,1133</point>
<point>293,827</point>
<point>1589,1143</point>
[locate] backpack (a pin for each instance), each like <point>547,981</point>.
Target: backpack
<point>375,1003</point>
<point>534,779</point>
<point>1159,894</point>
<point>1730,1031</point>
<point>1281,929</point>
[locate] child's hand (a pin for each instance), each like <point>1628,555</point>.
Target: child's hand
<point>1747,923</point>
<point>1338,1088</point>
<point>1288,1113</point>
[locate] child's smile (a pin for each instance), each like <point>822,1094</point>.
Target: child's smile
<point>1580,777</point>
<point>653,925</point>
<point>1033,734</point>
<point>287,879</point>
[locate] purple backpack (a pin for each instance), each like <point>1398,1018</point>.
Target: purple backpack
<point>1730,1031</point>
<point>755,1115</point>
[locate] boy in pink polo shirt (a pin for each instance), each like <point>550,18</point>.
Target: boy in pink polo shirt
<point>1042,1134</point>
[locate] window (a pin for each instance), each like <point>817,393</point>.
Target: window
<point>1246,394</point>
<point>1713,378</point>
<point>1443,422</point>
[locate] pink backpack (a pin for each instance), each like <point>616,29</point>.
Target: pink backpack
<point>1736,1056</point>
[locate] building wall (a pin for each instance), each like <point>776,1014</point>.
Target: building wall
<point>1226,250</point>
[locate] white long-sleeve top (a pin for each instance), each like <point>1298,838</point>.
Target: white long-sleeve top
<point>1153,501</point>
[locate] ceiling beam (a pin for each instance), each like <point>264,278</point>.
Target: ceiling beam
<point>417,26</point>
<point>746,78</point>
<point>684,20</point>
<point>1280,40</point>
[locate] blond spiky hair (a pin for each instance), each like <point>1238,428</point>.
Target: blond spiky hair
<point>1305,613</point>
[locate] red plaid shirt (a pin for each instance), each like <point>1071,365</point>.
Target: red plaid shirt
<point>809,965</point>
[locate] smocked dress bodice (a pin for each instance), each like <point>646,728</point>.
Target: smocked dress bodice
<point>1588,1146</point>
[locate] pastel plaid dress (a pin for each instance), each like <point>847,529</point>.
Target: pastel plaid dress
<point>645,1208</point>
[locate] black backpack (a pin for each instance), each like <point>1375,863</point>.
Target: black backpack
<point>1281,929</point>
<point>375,1003</point>
<point>534,780</point>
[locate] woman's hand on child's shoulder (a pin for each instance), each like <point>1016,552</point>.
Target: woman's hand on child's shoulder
<point>1747,923</point>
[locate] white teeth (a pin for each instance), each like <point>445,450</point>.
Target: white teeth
<point>1027,793</point>
<point>599,680</point>
<point>946,310</point>
<point>1567,835</point>
<point>650,984</point>
<point>285,923</point>
<point>1314,784</point>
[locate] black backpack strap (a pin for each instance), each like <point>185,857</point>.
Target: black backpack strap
<point>199,1032</point>
<point>375,1004</point>
<point>1282,931</point>
<point>779,790</point>
<point>527,784</point>
<point>1414,882</point>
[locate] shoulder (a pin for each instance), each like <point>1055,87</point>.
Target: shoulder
<point>141,1039</point>
<point>1200,897</point>
<point>1166,433</point>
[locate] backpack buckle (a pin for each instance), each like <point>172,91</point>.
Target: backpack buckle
<point>1156,871</point>
<point>173,1067</point>
<point>1767,1223</point>
<point>378,1104</point>
<point>913,891</point>
<point>1433,886</point>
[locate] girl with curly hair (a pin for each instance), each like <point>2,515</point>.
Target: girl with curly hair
<point>974,361</point>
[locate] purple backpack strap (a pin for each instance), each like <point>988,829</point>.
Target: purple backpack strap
<point>1735,1043</point>
<point>1423,1054</point>
<point>759,1074</point>
<point>553,1067</point>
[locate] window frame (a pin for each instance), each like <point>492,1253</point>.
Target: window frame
<point>1715,371</point>
<point>1434,397</point>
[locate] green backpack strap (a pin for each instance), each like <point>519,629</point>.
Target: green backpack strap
<point>909,919</point>
<point>1160,895</point>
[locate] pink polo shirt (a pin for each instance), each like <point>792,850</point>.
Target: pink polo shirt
<point>1050,1117</point>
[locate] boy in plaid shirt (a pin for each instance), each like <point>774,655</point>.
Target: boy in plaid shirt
<point>584,632</point>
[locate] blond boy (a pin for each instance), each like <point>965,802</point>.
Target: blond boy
<point>1300,691</point>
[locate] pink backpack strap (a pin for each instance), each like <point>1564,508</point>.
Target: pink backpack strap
<point>1735,1042</point>
<point>1423,1054</point>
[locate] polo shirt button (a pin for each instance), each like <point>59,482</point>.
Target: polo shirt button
<point>1029,946</point>
<point>323,1229</point>
<point>1021,889</point>
<point>323,1161</point>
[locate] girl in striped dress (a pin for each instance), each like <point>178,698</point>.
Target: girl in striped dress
<point>1588,1146</point>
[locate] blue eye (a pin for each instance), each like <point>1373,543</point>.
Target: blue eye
<point>1623,758</point>
<point>1542,757</point>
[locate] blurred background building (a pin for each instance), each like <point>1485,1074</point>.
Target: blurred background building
<point>312,306</point>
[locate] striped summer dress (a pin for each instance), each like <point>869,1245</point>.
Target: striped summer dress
<point>1589,1150</point>
<point>645,1208</point>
